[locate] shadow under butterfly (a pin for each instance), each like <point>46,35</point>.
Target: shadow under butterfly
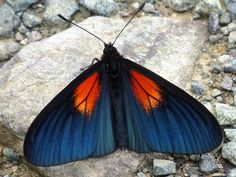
<point>116,103</point>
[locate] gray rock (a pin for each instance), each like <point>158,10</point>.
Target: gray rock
<point>197,87</point>
<point>225,114</point>
<point>225,18</point>
<point>234,91</point>
<point>30,20</point>
<point>163,167</point>
<point>229,151</point>
<point>11,154</point>
<point>232,52</point>
<point>54,7</point>
<point>225,30</point>
<point>19,36</point>
<point>23,29</point>
<point>219,99</point>
<point>34,36</point>
<point>7,20</point>
<point>41,69</point>
<point>232,37</point>
<point>227,83</point>
<point>231,6</point>
<point>213,23</point>
<point>100,7</point>
<point>231,172</point>
<point>207,7</point>
<point>232,26</point>
<point>182,5</point>
<point>231,66</point>
<point>217,69</point>
<point>230,134</point>
<point>215,38</point>
<point>208,163</point>
<point>215,93</point>
<point>149,8</point>
<point>8,48</point>
<point>21,5</point>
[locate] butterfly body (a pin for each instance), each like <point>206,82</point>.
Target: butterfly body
<point>117,103</point>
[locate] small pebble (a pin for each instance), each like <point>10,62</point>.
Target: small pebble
<point>213,23</point>
<point>215,38</point>
<point>232,27</point>
<point>19,36</point>
<point>11,154</point>
<point>149,8</point>
<point>234,79</point>
<point>197,87</point>
<point>232,52</point>
<point>219,99</point>
<point>229,151</point>
<point>215,93</point>
<point>34,36</point>
<point>163,167</point>
<point>217,69</point>
<point>234,92</point>
<point>225,114</point>
<point>225,30</point>
<point>225,18</point>
<point>224,58</point>
<point>230,134</point>
<point>230,67</point>
<point>227,83</point>
<point>208,163</point>
<point>232,38</point>
<point>141,174</point>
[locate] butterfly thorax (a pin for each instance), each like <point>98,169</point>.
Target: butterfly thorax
<point>111,58</point>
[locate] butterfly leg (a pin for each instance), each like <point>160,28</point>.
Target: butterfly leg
<point>95,59</point>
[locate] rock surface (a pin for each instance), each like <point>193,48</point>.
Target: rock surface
<point>182,5</point>
<point>41,69</point>
<point>21,5</point>
<point>208,163</point>
<point>163,167</point>
<point>207,7</point>
<point>231,6</point>
<point>230,134</point>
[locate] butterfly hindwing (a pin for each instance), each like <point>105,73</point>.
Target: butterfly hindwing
<point>161,117</point>
<point>76,124</point>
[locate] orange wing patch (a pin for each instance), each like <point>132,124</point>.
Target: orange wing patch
<point>86,94</point>
<point>146,90</point>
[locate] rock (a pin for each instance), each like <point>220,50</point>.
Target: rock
<point>163,167</point>
<point>197,87</point>
<point>225,30</point>
<point>215,93</point>
<point>229,151</point>
<point>33,36</point>
<point>225,18</point>
<point>231,6</point>
<point>7,20</point>
<point>227,83</point>
<point>100,7</point>
<point>232,52</point>
<point>43,68</point>
<point>8,48</point>
<point>19,36</point>
<point>11,154</point>
<point>182,5</point>
<point>219,99</point>
<point>232,37</point>
<point>230,134</point>
<point>231,172</point>
<point>230,67</point>
<point>141,174</point>
<point>215,38</point>
<point>64,7</point>
<point>149,8</point>
<point>21,5</point>
<point>217,69</point>
<point>207,7</point>
<point>208,163</point>
<point>224,58</point>
<point>234,91</point>
<point>232,27</point>
<point>30,20</point>
<point>213,23</point>
<point>225,114</point>
<point>22,29</point>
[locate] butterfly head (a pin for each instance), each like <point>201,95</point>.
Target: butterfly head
<point>110,52</point>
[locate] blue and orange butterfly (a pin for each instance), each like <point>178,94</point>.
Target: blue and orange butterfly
<point>116,103</point>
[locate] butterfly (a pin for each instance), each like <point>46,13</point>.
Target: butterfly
<point>117,103</point>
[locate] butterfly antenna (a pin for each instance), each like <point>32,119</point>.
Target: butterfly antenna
<point>69,21</point>
<point>139,9</point>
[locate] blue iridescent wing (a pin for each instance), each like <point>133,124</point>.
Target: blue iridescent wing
<point>161,117</point>
<point>76,124</point>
